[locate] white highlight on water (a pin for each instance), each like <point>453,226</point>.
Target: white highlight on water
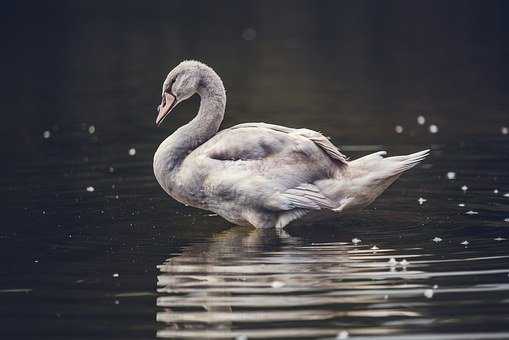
<point>342,335</point>
<point>398,129</point>
<point>437,239</point>
<point>356,240</point>
<point>421,200</point>
<point>428,293</point>
<point>46,134</point>
<point>132,151</point>
<point>90,189</point>
<point>277,284</point>
<point>421,120</point>
<point>451,175</point>
<point>433,128</point>
<point>91,129</point>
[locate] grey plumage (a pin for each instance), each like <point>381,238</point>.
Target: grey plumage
<point>259,174</point>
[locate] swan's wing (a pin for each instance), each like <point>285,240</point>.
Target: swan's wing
<point>305,196</point>
<point>260,140</point>
<point>316,137</point>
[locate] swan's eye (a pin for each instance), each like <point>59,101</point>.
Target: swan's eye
<point>168,89</point>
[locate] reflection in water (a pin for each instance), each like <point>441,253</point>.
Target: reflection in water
<point>266,283</point>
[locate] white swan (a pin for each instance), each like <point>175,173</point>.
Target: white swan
<point>258,174</point>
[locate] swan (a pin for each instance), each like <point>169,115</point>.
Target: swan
<point>258,174</point>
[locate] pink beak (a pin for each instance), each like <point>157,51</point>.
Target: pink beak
<point>167,104</point>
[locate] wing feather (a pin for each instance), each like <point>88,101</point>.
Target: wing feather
<point>320,140</point>
<point>305,196</point>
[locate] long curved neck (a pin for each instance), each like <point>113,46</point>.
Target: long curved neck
<point>177,146</point>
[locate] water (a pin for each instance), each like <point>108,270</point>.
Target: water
<point>91,247</point>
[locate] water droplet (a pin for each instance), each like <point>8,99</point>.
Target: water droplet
<point>506,194</point>
<point>437,239</point>
<point>90,189</point>
<point>504,130</point>
<point>421,120</point>
<point>374,248</point>
<point>116,275</point>
<point>465,243</point>
<point>277,284</point>
<point>398,129</point>
<point>461,204</point>
<point>499,239</point>
<point>356,240</point>
<point>464,188</point>
<point>495,191</point>
<point>421,200</point>
<point>132,151</point>
<point>451,175</point>
<point>428,293</point>
<point>393,262</point>
<point>404,263</point>
<point>91,129</point>
<point>506,219</point>
<point>471,212</point>
<point>342,335</point>
<point>111,169</point>
<point>433,128</point>
<point>46,134</point>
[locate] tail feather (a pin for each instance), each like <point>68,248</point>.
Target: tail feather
<point>399,164</point>
<point>378,166</point>
<point>369,176</point>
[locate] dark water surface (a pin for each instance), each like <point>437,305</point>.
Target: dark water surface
<point>91,247</point>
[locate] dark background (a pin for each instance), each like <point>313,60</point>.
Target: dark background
<point>353,69</point>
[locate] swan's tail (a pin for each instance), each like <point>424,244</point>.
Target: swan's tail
<point>378,166</point>
<point>372,174</point>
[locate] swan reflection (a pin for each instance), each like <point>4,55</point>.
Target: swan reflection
<point>266,283</point>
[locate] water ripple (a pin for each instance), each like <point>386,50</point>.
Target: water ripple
<point>226,287</point>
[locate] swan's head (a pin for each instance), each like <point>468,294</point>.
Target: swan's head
<point>180,84</point>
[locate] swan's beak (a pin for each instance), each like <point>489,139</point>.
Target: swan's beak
<point>167,104</point>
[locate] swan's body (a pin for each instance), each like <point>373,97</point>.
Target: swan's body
<point>259,174</point>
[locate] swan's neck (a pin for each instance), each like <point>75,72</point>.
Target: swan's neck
<point>175,148</point>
